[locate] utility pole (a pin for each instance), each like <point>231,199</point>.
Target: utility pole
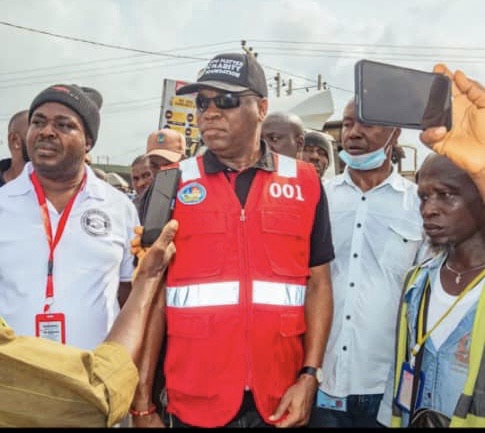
<point>290,87</point>
<point>248,50</point>
<point>321,84</point>
<point>278,84</point>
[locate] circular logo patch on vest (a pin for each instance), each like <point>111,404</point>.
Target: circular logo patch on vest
<point>95,222</point>
<point>192,193</point>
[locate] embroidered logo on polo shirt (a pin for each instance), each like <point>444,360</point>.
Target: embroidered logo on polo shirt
<point>193,193</point>
<point>95,222</point>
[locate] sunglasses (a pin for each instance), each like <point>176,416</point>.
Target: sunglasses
<point>223,101</point>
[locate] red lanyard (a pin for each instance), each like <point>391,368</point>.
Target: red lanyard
<point>39,191</point>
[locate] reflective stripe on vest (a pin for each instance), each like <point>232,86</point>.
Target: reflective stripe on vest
<point>189,169</point>
<point>270,293</point>
<point>227,293</point>
<point>203,295</point>
<point>472,400</point>
<point>470,408</point>
<point>286,166</point>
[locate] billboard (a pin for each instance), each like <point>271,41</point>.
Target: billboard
<point>179,113</point>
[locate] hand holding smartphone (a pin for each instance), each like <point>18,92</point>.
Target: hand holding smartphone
<point>161,201</point>
<point>391,95</point>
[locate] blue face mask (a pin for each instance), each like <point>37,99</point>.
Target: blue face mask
<point>367,161</point>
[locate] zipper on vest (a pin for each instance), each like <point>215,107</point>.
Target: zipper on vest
<point>247,292</point>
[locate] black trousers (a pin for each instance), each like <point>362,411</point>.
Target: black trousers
<point>247,417</point>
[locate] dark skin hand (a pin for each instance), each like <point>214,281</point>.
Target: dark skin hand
<point>464,144</point>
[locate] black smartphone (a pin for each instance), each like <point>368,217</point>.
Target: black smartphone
<point>392,95</point>
<point>160,204</point>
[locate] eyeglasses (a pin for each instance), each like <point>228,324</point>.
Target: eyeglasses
<point>223,101</point>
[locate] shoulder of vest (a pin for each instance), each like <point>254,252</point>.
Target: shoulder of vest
<point>190,168</point>
<point>291,167</point>
<point>413,273</point>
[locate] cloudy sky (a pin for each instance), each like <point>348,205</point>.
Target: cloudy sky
<point>126,48</point>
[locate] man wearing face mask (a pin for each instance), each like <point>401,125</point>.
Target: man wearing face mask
<point>376,230</point>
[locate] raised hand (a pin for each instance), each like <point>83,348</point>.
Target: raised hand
<point>464,144</point>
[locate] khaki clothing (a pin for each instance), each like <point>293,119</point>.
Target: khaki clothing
<point>45,384</point>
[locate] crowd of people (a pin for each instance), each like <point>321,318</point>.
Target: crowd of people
<point>275,297</point>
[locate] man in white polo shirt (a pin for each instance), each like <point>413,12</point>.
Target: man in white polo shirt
<point>65,261</point>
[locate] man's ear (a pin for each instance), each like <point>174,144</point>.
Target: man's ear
<point>12,142</point>
<point>89,144</point>
<point>396,134</point>
<point>300,142</point>
<point>263,108</point>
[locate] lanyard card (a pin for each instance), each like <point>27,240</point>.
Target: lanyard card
<point>51,326</point>
<point>326,401</point>
<point>405,387</point>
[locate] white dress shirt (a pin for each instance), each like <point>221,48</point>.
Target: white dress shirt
<point>376,235</point>
<point>92,257</point>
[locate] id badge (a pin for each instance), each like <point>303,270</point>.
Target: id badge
<point>405,387</point>
<point>326,401</point>
<point>51,326</point>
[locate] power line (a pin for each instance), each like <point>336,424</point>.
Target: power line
<point>344,44</point>
<point>384,56</point>
<point>48,68</point>
<point>90,62</point>
<point>76,76</point>
<point>347,53</point>
<point>342,53</point>
<point>100,44</point>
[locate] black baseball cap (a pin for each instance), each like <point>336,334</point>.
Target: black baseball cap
<point>231,72</point>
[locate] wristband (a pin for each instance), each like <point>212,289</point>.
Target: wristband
<point>312,371</point>
<point>149,411</point>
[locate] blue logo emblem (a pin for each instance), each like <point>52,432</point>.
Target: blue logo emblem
<point>193,193</point>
